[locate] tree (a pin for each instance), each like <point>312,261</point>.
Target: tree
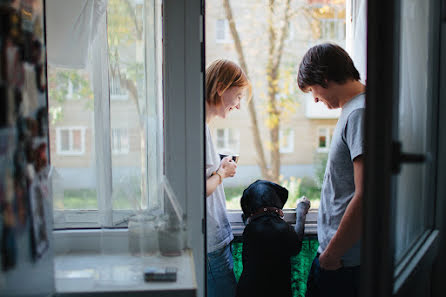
<point>279,73</point>
<point>277,33</point>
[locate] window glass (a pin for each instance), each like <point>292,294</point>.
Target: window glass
<point>71,153</point>
<point>65,140</point>
<point>286,139</point>
<point>116,91</point>
<point>322,141</point>
<point>280,108</point>
<point>131,145</point>
<point>412,203</point>
<point>221,32</point>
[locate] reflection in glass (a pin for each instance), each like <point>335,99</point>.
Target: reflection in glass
<point>414,99</point>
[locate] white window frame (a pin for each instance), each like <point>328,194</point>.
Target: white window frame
<point>70,129</point>
<point>226,139</point>
<point>227,37</point>
<point>114,83</point>
<point>290,141</point>
<point>328,135</point>
<point>122,150</point>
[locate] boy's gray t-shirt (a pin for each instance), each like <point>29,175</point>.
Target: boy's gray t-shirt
<point>338,187</point>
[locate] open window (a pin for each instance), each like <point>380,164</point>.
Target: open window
<point>285,121</point>
<point>115,121</point>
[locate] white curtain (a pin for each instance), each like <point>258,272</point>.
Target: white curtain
<point>71,27</point>
<point>357,35</point>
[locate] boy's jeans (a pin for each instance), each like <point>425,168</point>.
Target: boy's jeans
<point>343,282</point>
<point>220,275</point>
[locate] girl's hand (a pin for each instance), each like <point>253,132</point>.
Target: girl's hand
<point>227,167</point>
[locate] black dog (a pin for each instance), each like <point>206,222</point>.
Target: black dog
<point>269,241</point>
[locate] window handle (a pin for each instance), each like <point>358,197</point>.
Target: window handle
<point>399,157</point>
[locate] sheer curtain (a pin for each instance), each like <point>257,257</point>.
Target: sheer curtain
<point>357,35</point>
<point>71,28</point>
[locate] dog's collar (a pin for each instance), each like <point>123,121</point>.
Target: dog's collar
<point>263,211</point>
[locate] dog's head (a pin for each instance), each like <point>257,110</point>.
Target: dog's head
<point>262,193</point>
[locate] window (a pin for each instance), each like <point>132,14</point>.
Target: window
<point>71,91</point>
<point>278,102</point>
<point>228,139</point>
<point>332,29</point>
<point>70,140</point>
<point>324,137</point>
<point>108,177</point>
<point>120,141</point>
<point>222,31</point>
<point>116,91</point>
<point>286,139</point>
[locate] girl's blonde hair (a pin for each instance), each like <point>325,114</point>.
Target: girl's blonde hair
<point>220,76</point>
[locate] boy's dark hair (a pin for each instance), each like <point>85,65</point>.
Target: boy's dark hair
<point>325,62</point>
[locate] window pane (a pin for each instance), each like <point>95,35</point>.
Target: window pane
<point>220,29</point>
<point>65,140</point>
<point>133,37</point>
<point>74,184</point>
<point>413,124</point>
<point>302,165</point>
<point>76,137</point>
<point>322,141</point>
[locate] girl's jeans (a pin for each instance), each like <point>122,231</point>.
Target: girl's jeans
<point>220,275</point>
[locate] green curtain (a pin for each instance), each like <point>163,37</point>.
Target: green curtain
<point>300,264</point>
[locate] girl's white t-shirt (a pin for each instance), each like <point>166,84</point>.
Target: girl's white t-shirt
<point>219,232</point>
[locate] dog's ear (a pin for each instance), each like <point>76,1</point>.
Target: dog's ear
<point>244,203</point>
<point>281,192</point>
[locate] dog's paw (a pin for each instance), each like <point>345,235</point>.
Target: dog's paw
<point>304,203</point>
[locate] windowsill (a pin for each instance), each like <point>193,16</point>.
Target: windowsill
<point>92,274</point>
<point>235,218</point>
<point>95,262</point>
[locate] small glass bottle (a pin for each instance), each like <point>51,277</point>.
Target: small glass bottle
<point>143,234</point>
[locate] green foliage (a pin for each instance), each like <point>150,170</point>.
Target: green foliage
<point>63,81</point>
<point>320,162</point>
<point>80,199</point>
<point>127,192</point>
<point>300,264</point>
<point>233,195</point>
<point>297,187</point>
<point>123,24</point>
<point>126,195</point>
<point>59,81</point>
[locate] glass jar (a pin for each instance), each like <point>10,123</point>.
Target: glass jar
<point>143,234</point>
<point>172,237</point>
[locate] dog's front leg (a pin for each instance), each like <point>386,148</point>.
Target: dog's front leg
<point>303,205</point>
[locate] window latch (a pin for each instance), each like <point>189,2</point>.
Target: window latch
<point>399,157</point>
